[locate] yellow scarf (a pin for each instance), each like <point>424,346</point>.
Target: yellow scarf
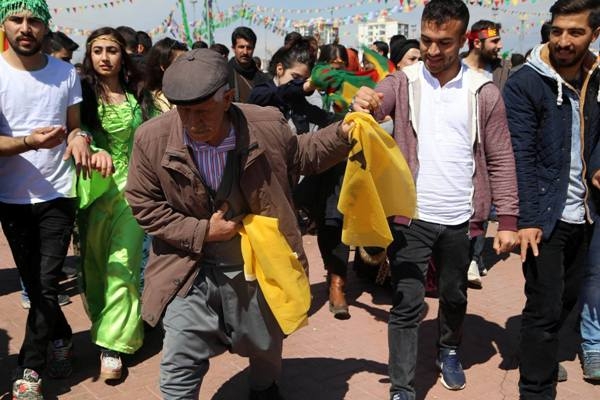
<point>269,259</point>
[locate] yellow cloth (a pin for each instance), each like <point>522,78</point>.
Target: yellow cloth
<point>377,184</point>
<point>269,259</point>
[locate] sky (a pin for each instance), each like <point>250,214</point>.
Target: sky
<point>149,14</point>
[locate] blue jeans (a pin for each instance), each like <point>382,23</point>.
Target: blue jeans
<point>409,256</point>
<point>590,295</point>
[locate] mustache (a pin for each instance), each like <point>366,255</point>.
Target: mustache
<point>21,37</point>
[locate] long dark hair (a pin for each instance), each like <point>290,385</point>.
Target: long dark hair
<point>94,92</point>
<point>296,50</point>
<point>158,59</point>
<point>333,51</point>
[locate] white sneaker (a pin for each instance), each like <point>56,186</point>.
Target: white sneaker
<point>473,276</point>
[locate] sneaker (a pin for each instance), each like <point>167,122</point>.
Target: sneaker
<point>63,299</point>
<point>25,303</point>
<point>60,360</point>
<point>562,375</point>
<point>400,396</point>
<point>473,276</point>
<point>483,271</point>
<point>28,386</point>
<point>453,376</point>
<point>110,365</point>
<point>591,365</point>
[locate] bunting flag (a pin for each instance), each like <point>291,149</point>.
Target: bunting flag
<point>279,24</point>
<point>402,6</point>
<point>91,6</point>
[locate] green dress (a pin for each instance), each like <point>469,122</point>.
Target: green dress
<point>111,239</point>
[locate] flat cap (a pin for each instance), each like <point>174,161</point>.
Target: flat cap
<point>195,76</point>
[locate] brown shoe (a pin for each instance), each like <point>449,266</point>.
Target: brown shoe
<point>337,298</point>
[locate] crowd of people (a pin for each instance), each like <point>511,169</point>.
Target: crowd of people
<point>165,160</point>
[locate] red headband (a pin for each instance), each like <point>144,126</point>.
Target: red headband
<point>483,34</point>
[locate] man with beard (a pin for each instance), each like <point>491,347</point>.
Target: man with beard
<point>554,117</point>
<point>450,124</point>
<point>243,72</point>
<point>484,52</point>
<point>483,56</point>
<point>39,128</point>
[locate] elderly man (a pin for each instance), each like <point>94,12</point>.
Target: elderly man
<point>195,173</point>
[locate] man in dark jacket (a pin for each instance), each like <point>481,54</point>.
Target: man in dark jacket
<point>553,114</point>
<point>243,72</point>
<point>195,172</point>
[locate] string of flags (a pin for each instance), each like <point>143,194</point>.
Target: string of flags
<point>274,19</point>
<point>91,6</point>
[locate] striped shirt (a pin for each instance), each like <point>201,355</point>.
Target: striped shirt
<point>211,160</point>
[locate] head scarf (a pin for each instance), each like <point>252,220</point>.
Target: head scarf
<point>37,8</point>
<point>401,47</point>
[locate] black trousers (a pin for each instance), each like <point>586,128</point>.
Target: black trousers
<point>552,282</point>
<point>39,236</point>
<point>409,256</point>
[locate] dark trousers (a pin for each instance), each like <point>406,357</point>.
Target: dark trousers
<point>409,256</point>
<point>335,254</point>
<point>39,236</point>
<point>552,282</point>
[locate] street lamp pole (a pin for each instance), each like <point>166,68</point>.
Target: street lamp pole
<point>208,21</point>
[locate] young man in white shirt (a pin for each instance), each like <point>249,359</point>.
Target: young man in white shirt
<point>39,137</point>
<point>450,124</point>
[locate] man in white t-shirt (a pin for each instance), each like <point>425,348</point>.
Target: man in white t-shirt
<point>39,139</point>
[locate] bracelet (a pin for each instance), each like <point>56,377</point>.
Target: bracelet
<point>30,147</point>
<point>85,135</point>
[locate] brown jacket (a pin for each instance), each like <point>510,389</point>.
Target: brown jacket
<point>171,203</point>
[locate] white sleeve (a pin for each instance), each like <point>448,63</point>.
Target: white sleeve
<point>74,88</point>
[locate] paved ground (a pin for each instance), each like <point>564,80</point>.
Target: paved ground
<point>329,359</point>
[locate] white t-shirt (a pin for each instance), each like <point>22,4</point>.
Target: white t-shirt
<point>445,151</point>
<point>29,100</point>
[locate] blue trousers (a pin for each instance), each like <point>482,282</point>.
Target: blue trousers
<point>590,295</point>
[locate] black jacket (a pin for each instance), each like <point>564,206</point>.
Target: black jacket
<point>291,101</point>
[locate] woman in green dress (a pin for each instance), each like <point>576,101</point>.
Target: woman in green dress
<point>111,239</point>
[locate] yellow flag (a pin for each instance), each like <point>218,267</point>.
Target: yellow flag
<point>269,259</point>
<point>377,184</point>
